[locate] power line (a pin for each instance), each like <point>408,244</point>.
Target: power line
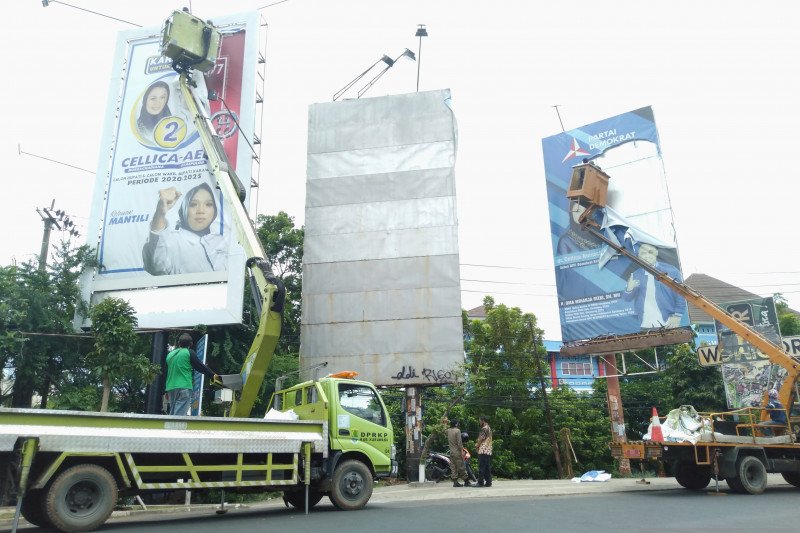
<point>512,293</point>
<point>22,152</point>
<point>508,267</point>
<point>46,3</point>
<point>765,273</point>
<point>273,4</point>
<point>512,282</point>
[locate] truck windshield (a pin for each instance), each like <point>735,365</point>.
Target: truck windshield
<point>361,401</point>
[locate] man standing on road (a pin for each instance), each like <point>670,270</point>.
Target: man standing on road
<point>457,469</point>
<point>180,362</point>
<point>484,444</point>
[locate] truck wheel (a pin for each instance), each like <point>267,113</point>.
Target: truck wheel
<point>33,508</point>
<point>792,478</point>
<point>690,476</point>
<point>752,475</point>
<point>297,498</point>
<point>735,484</point>
<point>352,486</point>
<point>81,498</point>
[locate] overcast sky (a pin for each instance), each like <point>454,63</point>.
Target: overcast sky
<point>721,76</point>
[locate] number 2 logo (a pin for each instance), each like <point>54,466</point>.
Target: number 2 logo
<point>169,132</point>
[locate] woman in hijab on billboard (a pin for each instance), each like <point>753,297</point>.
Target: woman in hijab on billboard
<point>154,107</point>
<point>190,246</point>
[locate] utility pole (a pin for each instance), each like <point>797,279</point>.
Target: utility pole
<point>548,413</point>
<point>52,217</point>
<point>559,117</point>
<point>421,32</point>
<point>153,392</point>
<point>615,412</point>
<point>413,430</point>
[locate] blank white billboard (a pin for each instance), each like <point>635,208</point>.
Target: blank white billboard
<point>381,289</point>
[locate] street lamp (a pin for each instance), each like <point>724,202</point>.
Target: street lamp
<point>389,64</point>
<point>388,61</point>
<point>421,32</point>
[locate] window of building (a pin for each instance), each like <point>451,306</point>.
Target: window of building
<point>576,369</point>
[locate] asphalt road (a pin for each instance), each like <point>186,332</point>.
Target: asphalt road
<point>672,510</point>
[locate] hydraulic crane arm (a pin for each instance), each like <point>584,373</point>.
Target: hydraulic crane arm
<point>268,291</point>
<point>775,354</point>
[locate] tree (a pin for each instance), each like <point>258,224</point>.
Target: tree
<point>692,384</point>
<point>283,245</point>
<point>41,304</point>
<point>501,373</point>
<point>114,356</point>
<point>788,319</point>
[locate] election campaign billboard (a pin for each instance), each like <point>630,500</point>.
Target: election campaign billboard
<point>601,293</point>
<point>164,237</point>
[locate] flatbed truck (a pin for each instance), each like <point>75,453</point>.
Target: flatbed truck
<point>67,469</point>
<point>734,447</point>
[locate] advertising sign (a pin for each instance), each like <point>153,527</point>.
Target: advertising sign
<point>601,293</point>
<point>746,372</point>
<point>161,222</point>
<point>709,356</point>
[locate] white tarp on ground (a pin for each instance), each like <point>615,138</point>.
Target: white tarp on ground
<point>381,288</point>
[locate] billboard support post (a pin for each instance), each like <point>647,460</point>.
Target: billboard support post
<point>413,410</point>
<point>156,388</point>
<point>615,413</point>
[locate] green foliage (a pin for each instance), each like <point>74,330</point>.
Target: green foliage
<point>41,302</point>
<point>502,383</point>
<point>789,320</point>
<point>692,384</point>
<point>114,356</point>
<point>501,361</point>
<point>283,245</point>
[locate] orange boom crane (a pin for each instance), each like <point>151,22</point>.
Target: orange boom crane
<point>589,187</point>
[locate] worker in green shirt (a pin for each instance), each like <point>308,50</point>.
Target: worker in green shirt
<point>180,363</point>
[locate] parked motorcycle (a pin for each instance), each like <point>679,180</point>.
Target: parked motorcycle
<point>438,465</point>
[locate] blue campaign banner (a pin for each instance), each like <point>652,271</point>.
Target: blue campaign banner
<point>599,292</point>
<point>198,378</point>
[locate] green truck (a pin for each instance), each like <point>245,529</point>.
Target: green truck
<point>67,469</point>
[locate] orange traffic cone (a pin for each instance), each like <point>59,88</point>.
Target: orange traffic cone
<point>656,435</point>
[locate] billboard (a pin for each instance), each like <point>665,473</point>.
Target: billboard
<point>746,372</point>
<point>601,293</point>
<point>164,239</point>
<point>381,287</point>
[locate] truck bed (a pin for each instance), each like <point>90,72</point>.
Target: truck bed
<point>78,431</point>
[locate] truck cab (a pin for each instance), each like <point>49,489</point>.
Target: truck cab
<point>359,432</point>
